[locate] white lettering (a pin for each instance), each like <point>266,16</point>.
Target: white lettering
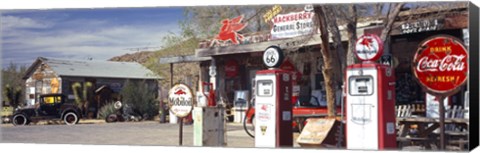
<point>448,63</point>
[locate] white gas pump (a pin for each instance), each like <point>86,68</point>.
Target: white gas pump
<point>273,107</point>
<point>370,99</point>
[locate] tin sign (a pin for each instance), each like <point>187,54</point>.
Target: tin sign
<point>180,100</point>
<point>369,47</point>
<point>440,65</point>
<point>273,56</point>
<point>292,25</point>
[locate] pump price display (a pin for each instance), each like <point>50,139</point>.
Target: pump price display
<point>180,100</point>
<point>265,88</point>
<point>440,64</point>
<point>273,56</point>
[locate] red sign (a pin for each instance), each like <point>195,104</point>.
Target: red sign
<point>229,29</point>
<point>369,47</point>
<point>287,65</point>
<point>440,65</point>
<point>231,68</point>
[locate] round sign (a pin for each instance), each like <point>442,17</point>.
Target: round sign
<point>231,68</point>
<point>273,56</point>
<point>180,100</point>
<point>440,65</point>
<point>369,47</point>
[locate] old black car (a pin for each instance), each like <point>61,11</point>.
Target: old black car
<point>50,107</point>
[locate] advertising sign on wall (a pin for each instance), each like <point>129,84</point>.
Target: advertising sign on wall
<point>440,65</point>
<point>292,25</point>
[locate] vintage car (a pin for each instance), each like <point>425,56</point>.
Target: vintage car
<point>50,107</point>
<point>304,108</point>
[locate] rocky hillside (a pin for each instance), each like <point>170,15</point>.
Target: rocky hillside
<point>183,72</point>
<point>140,57</point>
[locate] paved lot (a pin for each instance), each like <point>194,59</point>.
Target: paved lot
<point>126,133</point>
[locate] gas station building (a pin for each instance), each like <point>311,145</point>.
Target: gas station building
<point>236,64</point>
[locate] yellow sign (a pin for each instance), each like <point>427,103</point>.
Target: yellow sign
<point>272,13</point>
<point>263,129</point>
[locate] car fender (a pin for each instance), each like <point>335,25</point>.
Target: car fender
<point>22,113</point>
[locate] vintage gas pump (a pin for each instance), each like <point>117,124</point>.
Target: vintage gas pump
<point>370,99</point>
<point>209,118</point>
<point>273,107</point>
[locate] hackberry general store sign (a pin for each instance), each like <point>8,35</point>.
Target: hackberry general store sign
<point>292,25</point>
<point>440,65</point>
<point>180,100</point>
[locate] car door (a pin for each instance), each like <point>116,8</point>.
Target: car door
<point>51,105</point>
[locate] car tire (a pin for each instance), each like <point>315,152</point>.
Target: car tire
<point>70,118</point>
<point>20,120</point>
<point>111,118</point>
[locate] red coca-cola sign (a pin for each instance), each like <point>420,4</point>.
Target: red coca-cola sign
<point>440,65</point>
<point>231,68</point>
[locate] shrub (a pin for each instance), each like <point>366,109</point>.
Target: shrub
<point>138,95</point>
<point>106,110</point>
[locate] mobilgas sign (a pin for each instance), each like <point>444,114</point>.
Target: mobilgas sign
<point>369,47</point>
<point>180,100</point>
<point>440,65</point>
<point>292,24</point>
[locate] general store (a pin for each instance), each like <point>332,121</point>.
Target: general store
<point>236,64</point>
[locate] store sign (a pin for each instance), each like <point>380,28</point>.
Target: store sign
<point>229,29</point>
<point>231,68</point>
<point>420,26</point>
<point>440,65</point>
<point>271,13</point>
<point>180,100</point>
<point>292,25</point>
<point>369,47</point>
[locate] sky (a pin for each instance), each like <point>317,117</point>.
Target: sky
<point>87,33</point>
<point>92,29</point>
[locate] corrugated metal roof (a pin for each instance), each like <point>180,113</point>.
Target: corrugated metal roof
<point>101,69</point>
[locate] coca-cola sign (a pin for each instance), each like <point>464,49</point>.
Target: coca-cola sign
<point>440,65</point>
<point>231,68</point>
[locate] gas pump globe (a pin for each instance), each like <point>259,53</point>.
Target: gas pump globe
<point>370,99</point>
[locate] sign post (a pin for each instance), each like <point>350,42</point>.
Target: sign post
<point>440,66</point>
<point>180,100</point>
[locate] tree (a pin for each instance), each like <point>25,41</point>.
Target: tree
<point>83,100</point>
<point>13,84</point>
<point>328,23</point>
<point>329,66</point>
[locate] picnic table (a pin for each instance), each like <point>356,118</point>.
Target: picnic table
<point>420,131</point>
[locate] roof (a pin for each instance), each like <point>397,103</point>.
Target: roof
<point>182,59</point>
<point>92,68</point>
